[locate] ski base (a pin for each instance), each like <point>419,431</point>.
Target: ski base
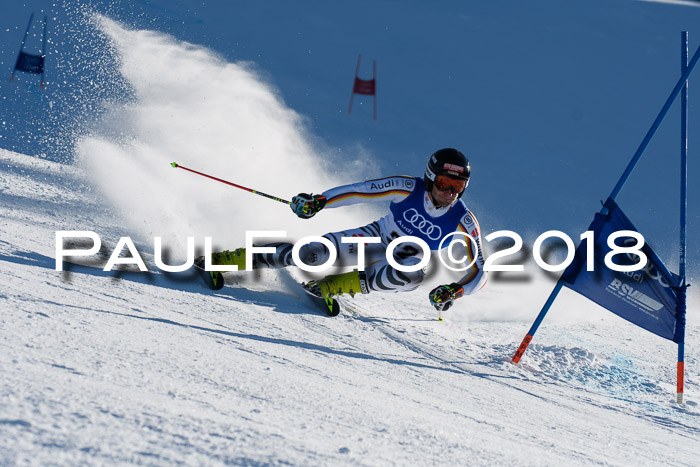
<point>213,279</point>
<point>329,305</point>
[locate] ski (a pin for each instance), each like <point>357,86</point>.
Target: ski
<point>330,305</point>
<point>213,279</point>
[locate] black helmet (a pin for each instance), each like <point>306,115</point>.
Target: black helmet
<point>449,162</point>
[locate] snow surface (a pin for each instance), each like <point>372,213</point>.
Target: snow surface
<point>152,368</point>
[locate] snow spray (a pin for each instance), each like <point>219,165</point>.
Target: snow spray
<point>190,105</point>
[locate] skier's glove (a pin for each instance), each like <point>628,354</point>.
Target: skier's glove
<point>444,296</point>
<point>306,206</point>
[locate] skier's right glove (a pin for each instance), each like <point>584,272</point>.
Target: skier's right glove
<point>444,296</point>
<point>306,206</point>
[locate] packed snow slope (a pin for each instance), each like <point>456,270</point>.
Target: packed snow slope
<point>132,367</point>
<point>153,368</point>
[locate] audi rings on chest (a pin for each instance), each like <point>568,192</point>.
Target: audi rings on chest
<point>432,231</point>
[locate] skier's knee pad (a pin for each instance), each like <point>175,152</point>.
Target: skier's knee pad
<point>313,254</point>
<point>414,277</point>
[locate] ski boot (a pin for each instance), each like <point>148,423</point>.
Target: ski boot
<point>337,284</point>
<point>215,279</point>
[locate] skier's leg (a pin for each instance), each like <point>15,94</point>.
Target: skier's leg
<point>316,253</point>
<point>351,282</point>
<point>378,275</point>
<point>280,258</point>
<point>311,254</point>
<point>382,277</point>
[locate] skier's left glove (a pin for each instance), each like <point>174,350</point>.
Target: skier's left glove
<point>444,296</point>
<point>306,206</point>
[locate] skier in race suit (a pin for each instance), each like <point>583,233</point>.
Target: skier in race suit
<point>428,207</point>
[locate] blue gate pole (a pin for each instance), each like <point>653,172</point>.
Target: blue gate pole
<point>533,329</point>
<point>680,311</point>
<point>43,52</point>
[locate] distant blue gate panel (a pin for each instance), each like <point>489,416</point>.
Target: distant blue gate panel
<point>646,297</point>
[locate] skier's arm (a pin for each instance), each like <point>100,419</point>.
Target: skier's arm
<point>443,297</point>
<point>393,189</point>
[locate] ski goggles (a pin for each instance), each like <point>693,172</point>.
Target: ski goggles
<point>444,183</point>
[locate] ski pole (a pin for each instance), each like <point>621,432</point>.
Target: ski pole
<point>177,166</point>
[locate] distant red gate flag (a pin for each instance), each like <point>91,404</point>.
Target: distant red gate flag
<point>366,87</point>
